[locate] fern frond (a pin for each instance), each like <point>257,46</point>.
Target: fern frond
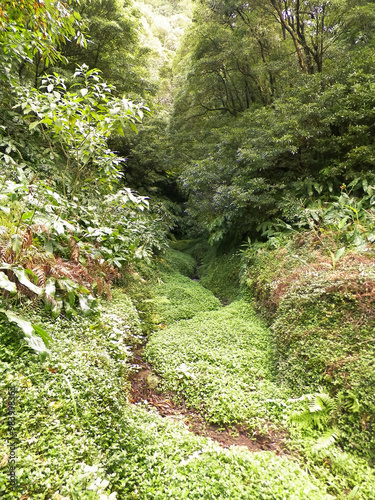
<point>27,238</point>
<point>74,250</point>
<point>327,439</point>
<point>303,419</point>
<point>315,406</point>
<point>40,229</point>
<point>39,272</point>
<point>2,253</point>
<point>326,401</point>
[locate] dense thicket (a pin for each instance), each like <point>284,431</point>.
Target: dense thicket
<point>68,225</point>
<point>273,110</point>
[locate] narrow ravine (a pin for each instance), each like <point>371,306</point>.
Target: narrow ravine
<point>206,380</point>
<point>209,368</point>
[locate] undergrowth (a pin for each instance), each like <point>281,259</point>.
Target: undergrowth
<point>323,322</point>
<point>178,297</point>
<point>221,363</point>
<point>217,271</point>
<point>79,438</point>
<point>225,365</point>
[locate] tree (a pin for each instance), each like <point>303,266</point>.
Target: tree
<point>113,31</point>
<point>36,31</point>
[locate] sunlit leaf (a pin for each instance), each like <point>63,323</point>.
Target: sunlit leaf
<point>6,284</point>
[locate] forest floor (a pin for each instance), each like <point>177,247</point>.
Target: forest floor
<point>191,411</point>
<point>142,391</point>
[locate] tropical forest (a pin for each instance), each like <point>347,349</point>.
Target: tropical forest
<point>187,249</point>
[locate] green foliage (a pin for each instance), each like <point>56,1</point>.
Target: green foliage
<point>113,29</point>
<point>75,125</point>
<point>322,326</point>
<point>178,297</point>
<point>320,415</point>
<point>177,261</point>
<point>35,336</point>
<point>219,273</point>
<point>100,454</point>
<point>64,397</point>
<point>96,238</point>
<point>176,464</point>
<point>220,362</point>
<point>296,137</point>
<point>36,30</point>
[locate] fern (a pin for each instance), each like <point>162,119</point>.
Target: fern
<point>318,414</point>
<point>327,439</point>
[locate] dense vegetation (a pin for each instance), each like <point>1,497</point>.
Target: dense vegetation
<point>197,177</point>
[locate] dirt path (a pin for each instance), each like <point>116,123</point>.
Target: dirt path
<point>142,391</point>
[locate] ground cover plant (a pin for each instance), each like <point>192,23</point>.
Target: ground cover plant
<point>177,296</point>
<point>78,437</point>
<point>322,323</point>
<point>223,363</point>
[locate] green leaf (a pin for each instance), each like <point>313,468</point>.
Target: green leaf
<point>340,252</point>
<point>59,226</point>
<point>16,243</point>
<point>133,127</point>
<point>72,298</point>
<point>50,288</point>
<point>27,215</point>
<point>33,125</point>
<point>326,440</point>
<point>68,308</point>
<point>353,493</point>
<point>84,92</point>
<point>42,334</point>
<point>49,246</point>
<point>22,278</point>
<point>6,284</point>
<point>25,326</point>
<point>56,308</point>
<point>36,343</point>
<point>84,304</point>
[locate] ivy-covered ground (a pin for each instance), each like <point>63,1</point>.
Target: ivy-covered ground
<point>79,437</point>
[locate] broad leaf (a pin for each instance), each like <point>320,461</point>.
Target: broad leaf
<point>36,343</point>
<point>21,275</point>
<point>6,284</point>
<point>25,326</point>
<point>42,334</point>
<point>340,252</point>
<point>50,287</point>
<point>16,242</point>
